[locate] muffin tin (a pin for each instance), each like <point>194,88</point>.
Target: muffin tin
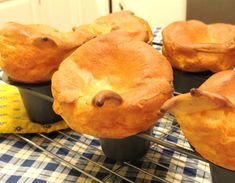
<point>184,81</point>
<point>37,99</point>
<point>219,174</point>
<point>127,149</point>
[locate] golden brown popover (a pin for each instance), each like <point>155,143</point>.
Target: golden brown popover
<point>112,86</point>
<point>124,21</point>
<point>207,118</point>
<point>194,46</point>
<point>32,53</point>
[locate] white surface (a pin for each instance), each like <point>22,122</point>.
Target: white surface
<point>64,14</point>
<point>17,11</point>
<point>93,9</point>
<point>60,14</point>
<point>156,12</point>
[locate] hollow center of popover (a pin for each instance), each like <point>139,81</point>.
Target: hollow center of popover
<point>200,33</point>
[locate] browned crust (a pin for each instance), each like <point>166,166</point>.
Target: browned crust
<point>219,100</point>
<point>100,99</point>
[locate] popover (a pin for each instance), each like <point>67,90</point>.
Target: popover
<point>207,118</point>
<point>32,53</point>
<point>124,21</point>
<point>112,86</point>
<point>194,46</point>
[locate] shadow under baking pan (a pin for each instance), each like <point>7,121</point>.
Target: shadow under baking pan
<point>37,99</point>
<point>184,81</point>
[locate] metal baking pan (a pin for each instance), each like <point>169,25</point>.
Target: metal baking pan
<point>37,99</point>
<point>184,81</point>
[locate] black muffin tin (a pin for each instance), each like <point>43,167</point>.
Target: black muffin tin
<point>184,81</point>
<point>220,175</point>
<point>131,148</point>
<point>37,99</point>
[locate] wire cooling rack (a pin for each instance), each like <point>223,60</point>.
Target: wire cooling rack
<point>169,159</point>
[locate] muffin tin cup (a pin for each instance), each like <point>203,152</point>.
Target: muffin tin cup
<point>37,100</point>
<point>219,174</point>
<point>184,81</point>
<point>127,149</point>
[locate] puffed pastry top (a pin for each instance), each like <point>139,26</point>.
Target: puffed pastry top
<point>112,86</point>
<point>32,53</point>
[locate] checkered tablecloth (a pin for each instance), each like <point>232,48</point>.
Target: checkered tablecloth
<point>20,161</point>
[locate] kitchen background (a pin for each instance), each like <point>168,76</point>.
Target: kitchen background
<point>64,14</point>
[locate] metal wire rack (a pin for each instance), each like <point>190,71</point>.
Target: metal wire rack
<point>165,158</point>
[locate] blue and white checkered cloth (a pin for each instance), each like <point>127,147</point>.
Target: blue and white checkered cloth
<point>22,162</point>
